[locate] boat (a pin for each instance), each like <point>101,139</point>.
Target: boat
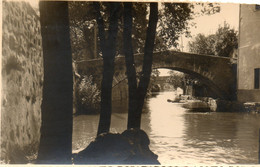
<point>177,99</point>
<point>197,105</point>
<point>174,101</point>
<point>180,99</point>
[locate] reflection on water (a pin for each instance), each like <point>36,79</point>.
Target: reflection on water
<point>182,137</point>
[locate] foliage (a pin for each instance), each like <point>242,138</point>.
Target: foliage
<point>88,96</point>
<point>202,44</point>
<point>176,79</point>
<point>181,80</point>
<point>173,21</point>
<point>222,43</point>
<point>155,73</point>
<point>83,27</point>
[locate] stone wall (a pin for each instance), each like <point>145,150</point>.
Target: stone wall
<point>22,80</point>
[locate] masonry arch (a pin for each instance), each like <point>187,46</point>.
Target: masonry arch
<point>219,73</point>
<point>206,81</point>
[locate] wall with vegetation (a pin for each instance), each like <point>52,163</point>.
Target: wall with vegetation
<point>22,79</point>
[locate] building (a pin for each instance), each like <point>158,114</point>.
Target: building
<point>249,54</point>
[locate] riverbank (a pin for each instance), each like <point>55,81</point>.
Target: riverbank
<point>129,147</point>
<point>218,105</point>
<point>231,106</point>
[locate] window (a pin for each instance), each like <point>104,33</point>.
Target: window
<point>257,7</point>
<point>257,78</point>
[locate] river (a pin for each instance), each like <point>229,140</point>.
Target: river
<point>181,137</point>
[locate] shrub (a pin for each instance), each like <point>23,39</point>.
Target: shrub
<point>88,96</point>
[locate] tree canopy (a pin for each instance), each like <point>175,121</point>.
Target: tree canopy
<point>83,26</point>
<point>222,43</point>
<point>173,21</point>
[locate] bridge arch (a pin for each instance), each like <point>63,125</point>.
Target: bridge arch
<point>206,81</point>
<point>219,73</point>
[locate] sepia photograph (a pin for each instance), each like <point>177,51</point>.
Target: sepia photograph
<point>130,83</point>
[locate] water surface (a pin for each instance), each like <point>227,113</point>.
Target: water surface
<point>179,136</point>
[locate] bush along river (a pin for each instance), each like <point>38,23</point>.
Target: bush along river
<point>180,136</point>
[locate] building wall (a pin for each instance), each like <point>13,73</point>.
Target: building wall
<point>22,79</point>
<point>249,52</point>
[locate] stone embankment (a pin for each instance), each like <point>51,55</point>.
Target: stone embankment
<point>130,147</point>
<point>231,106</point>
<point>252,107</point>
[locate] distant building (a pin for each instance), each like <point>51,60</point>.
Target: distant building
<point>249,54</point>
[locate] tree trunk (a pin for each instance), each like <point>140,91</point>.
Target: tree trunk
<point>56,130</point>
<point>147,63</point>
<point>129,60</point>
<point>108,48</point>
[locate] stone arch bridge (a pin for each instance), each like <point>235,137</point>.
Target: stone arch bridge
<point>218,73</point>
